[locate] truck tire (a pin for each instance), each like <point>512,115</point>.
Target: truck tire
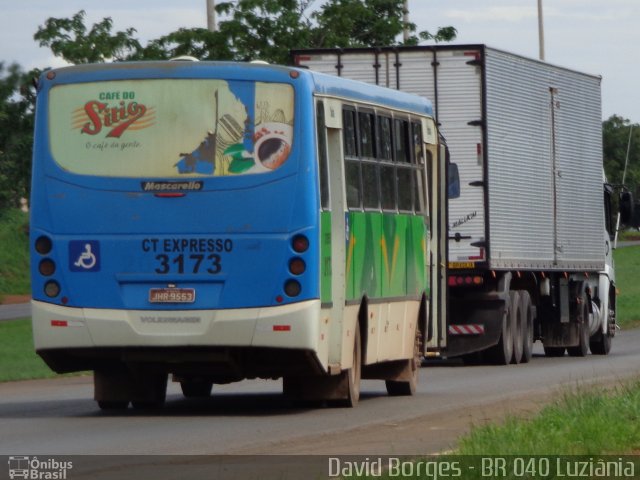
<point>600,343</point>
<point>397,388</point>
<point>502,352</point>
<point>517,328</point>
<point>527,324</point>
<point>582,348</point>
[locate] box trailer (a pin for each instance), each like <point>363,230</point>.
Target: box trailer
<point>530,237</point>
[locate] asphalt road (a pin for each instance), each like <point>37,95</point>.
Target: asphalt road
<point>18,310</point>
<point>59,417</point>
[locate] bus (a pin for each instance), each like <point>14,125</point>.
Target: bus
<point>217,221</point>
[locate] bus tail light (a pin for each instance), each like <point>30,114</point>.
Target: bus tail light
<point>297,266</point>
<point>44,245</point>
<point>292,288</point>
<point>47,267</point>
<point>300,244</point>
<point>52,289</point>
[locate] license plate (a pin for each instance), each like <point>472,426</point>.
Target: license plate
<point>172,295</point>
<point>453,265</point>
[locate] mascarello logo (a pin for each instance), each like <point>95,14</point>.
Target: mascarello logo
<point>32,468</point>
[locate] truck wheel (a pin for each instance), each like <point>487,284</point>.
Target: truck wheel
<point>527,326</point>
<point>196,388</point>
<point>582,348</point>
<point>502,353</point>
<point>517,327</point>
<point>397,388</point>
<point>600,344</point>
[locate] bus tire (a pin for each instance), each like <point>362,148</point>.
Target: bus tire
<point>196,388</point>
<point>527,324</point>
<point>151,391</point>
<point>410,371</point>
<point>554,351</point>
<point>107,405</point>
<point>351,377</point>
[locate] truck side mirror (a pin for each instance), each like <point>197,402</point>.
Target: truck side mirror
<point>453,181</point>
<point>626,208</point>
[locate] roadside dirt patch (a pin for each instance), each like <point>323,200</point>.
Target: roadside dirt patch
<point>426,435</point>
<point>14,299</point>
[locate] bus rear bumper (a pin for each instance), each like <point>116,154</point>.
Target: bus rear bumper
<point>287,327</point>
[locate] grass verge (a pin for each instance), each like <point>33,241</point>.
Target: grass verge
<point>14,253</point>
<point>627,261</point>
<point>583,422</point>
<point>18,360</point>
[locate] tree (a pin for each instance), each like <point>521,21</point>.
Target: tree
<point>615,134</point>
<point>69,38</point>
<point>16,127</point>
<point>251,29</point>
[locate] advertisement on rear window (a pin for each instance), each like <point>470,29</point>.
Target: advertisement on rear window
<point>171,128</point>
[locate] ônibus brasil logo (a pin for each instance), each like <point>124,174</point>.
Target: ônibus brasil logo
<point>99,115</point>
<point>32,468</point>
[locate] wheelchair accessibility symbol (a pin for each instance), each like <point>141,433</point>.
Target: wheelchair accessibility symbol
<point>84,256</point>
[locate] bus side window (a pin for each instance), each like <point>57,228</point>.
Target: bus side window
<point>404,171</point>
<point>369,165</point>
<point>351,162</point>
<point>322,157</point>
<point>387,170</point>
<point>366,128</point>
<point>420,204</point>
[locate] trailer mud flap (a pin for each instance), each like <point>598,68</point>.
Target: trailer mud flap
<point>475,324</point>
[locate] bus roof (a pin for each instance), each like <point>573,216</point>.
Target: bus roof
<point>320,83</point>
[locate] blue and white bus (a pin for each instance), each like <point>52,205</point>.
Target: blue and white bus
<point>219,221</point>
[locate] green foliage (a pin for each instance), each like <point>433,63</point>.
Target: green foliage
<point>615,135</point>
<point>18,360</point>
<point>70,39</point>
<point>14,252</point>
<point>628,302</point>
<point>250,29</point>
<point>16,127</point>
<point>580,423</point>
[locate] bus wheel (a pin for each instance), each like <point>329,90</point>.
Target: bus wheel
<point>106,405</point>
<point>151,391</point>
<point>410,372</point>
<point>351,377</point>
<point>502,353</point>
<point>527,326</point>
<point>196,388</point>
<point>554,351</point>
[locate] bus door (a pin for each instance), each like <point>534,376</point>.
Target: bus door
<point>437,183</point>
<point>333,219</point>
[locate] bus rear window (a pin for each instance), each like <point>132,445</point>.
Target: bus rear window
<point>171,128</point>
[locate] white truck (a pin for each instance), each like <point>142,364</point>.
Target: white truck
<point>530,222</point>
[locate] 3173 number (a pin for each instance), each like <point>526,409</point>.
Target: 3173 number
<point>193,263</point>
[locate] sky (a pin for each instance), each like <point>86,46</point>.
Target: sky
<point>593,36</point>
